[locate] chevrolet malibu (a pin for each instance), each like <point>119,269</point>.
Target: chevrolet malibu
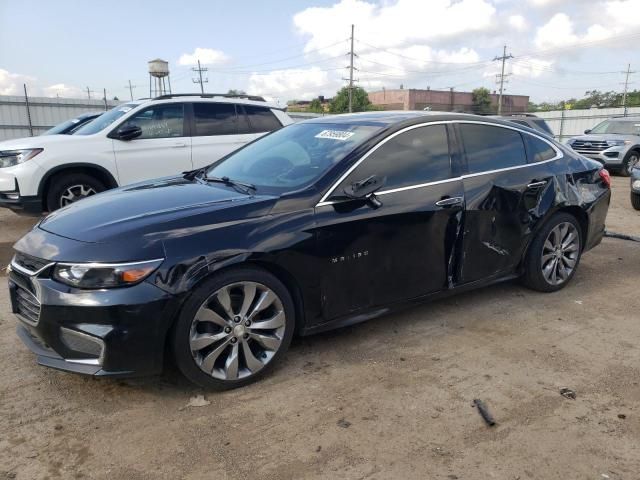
<point>321,224</point>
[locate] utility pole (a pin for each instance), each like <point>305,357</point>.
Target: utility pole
<point>502,76</point>
<point>89,92</point>
<point>351,69</point>
<point>106,107</point>
<point>131,87</point>
<point>200,80</point>
<point>626,87</point>
<point>26,104</point>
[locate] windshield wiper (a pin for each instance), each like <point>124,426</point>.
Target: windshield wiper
<point>244,187</point>
<point>192,174</point>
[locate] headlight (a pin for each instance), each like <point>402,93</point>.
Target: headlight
<point>618,143</point>
<point>636,185</point>
<point>10,158</point>
<point>104,275</point>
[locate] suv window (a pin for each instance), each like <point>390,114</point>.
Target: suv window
<point>214,119</point>
<point>537,150</point>
<point>417,156</point>
<point>491,148</point>
<point>159,121</point>
<point>261,119</point>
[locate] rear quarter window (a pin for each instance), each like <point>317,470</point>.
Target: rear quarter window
<point>490,147</point>
<point>261,119</point>
<point>538,150</point>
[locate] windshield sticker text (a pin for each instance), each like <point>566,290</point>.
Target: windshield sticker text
<point>335,134</point>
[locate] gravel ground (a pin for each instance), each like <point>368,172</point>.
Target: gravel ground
<point>391,398</point>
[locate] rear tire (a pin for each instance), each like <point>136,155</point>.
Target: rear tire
<point>554,254</point>
<point>68,188</point>
<point>233,328</point>
<point>635,200</point>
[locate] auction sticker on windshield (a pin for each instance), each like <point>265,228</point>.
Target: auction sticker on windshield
<point>335,134</point>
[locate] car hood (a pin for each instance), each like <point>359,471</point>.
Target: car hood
<point>154,210</point>
<point>604,137</point>
<point>43,141</point>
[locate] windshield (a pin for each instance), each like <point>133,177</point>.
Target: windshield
<point>62,127</point>
<point>620,127</point>
<point>292,157</point>
<point>106,119</point>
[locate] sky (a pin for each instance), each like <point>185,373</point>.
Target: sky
<point>295,50</point>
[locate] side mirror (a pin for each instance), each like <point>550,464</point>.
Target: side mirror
<point>366,189</point>
<point>129,133</point>
<point>587,131</point>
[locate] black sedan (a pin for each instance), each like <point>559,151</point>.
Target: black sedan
<point>319,225</point>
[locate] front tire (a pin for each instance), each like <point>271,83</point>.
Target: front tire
<point>68,188</point>
<point>554,254</point>
<point>631,160</point>
<point>635,200</point>
<point>233,328</point>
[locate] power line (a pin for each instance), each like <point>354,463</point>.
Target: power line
<point>502,76</point>
<point>199,80</point>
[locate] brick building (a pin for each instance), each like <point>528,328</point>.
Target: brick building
<point>442,100</point>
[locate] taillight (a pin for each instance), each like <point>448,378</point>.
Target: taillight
<point>606,178</point>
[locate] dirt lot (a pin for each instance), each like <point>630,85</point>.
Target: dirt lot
<point>391,398</point>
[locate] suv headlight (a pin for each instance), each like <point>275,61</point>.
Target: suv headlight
<point>104,275</point>
<point>618,143</point>
<point>10,158</point>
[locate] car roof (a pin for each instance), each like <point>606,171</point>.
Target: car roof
<point>405,117</point>
<point>215,98</point>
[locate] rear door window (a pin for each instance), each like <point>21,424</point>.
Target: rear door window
<point>491,148</point>
<point>418,156</point>
<point>214,119</point>
<point>261,119</point>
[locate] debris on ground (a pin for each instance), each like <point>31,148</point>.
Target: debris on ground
<point>484,412</point>
<point>198,401</point>
<point>622,416</point>
<point>568,393</point>
<point>343,423</point>
<point>621,236</point>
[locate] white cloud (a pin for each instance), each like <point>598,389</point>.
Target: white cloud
<point>624,13</point>
<point>397,24</point>
<point>518,22</point>
<point>300,84</point>
<point>12,83</point>
<point>559,32</point>
<point>64,91</point>
<point>207,56</point>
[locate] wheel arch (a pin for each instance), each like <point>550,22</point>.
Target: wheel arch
<point>98,171</point>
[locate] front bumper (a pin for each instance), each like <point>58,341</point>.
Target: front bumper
<point>611,157</point>
<point>109,332</point>
<point>19,188</point>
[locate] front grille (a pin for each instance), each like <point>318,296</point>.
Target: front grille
<point>25,303</point>
<point>33,264</point>
<point>589,146</point>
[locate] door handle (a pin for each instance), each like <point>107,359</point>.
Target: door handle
<point>535,185</point>
<point>179,145</point>
<point>449,202</point>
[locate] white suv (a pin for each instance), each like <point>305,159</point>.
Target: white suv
<point>134,141</point>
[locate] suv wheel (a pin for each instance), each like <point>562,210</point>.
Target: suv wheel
<point>630,161</point>
<point>554,254</point>
<point>233,328</point>
<point>68,188</point>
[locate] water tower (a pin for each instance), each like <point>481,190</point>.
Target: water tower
<point>158,72</point>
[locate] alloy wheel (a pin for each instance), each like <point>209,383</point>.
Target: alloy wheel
<point>631,162</point>
<point>560,253</point>
<point>74,193</point>
<point>237,331</point>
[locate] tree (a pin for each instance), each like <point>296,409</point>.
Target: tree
<point>116,99</point>
<point>316,106</point>
<point>340,103</point>
<point>481,98</point>
<point>234,91</point>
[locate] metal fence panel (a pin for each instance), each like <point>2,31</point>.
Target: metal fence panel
<point>45,113</point>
